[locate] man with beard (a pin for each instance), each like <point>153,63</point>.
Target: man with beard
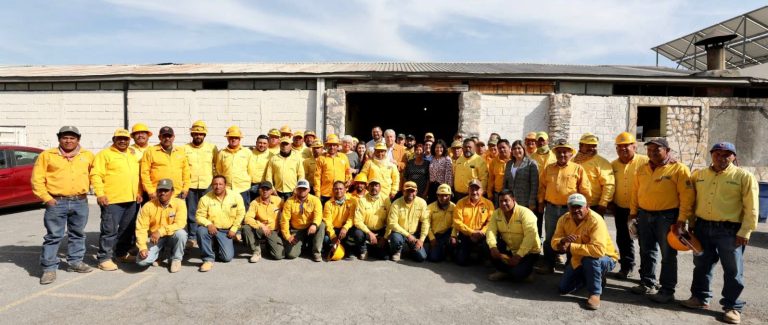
<point>285,169</point>
<point>377,135</point>
<point>599,172</point>
<point>202,157</point>
<point>530,143</point>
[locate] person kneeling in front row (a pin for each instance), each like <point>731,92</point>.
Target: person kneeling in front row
<point>513,239</point>
<point>161,223</point>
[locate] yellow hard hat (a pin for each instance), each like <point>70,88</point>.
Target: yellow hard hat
<point>199,127</point>
<point>361,178</point>
<point>298,133</point>
<point>332,139</point>
<point>312,133</point>
<point>140,127</point>
<point>317,144</point>
<point>285,129</point>
<point>531,136</point>
<point>625,138</point>
<point>589,138</point>
<point>336,253</point>
<point>274,133</point>
<point>121,133</point>
<point>234,132</point>
<point>380,146</point>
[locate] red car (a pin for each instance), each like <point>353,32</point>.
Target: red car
<point>16,164</point>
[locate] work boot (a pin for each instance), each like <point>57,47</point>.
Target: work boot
<point>317,257</point>
<point>127,258</point>
<point>498,276</point>
<point>694,303</point>
<point>732,316</point>
<point>48,277</point>
<point>255,257</point>
<point>206,266</point>
<point>175,266</point>
<point>107,265</point>
<point>593,303</point>
<point>642,289</point>
<point>191,244</point>
<point>396,257</point>
<point>364,256</point>
<point>663,298</point>
<point>623,274</point>
<point>79,268</point>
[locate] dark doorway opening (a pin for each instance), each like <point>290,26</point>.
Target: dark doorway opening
<point>407,113</point>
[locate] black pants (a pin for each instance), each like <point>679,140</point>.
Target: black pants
<point>623,240</point>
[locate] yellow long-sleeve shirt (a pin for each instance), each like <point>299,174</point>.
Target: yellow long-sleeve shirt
<point>730,195</point>
<point>405,218</point>
<point>440,220</point>
<point>371,213</point>
<point>116,175</point>
<point>543,160</point>
<point>264,213</point>
<point>310,166</point>
<point>285,172</point>
<point>226,213</point>
<point>520,233</point>
<point>601,180</point>
<point>667,187</point>
<point>469,217</point>
<point>166,220</point>
<point>593,237</point>
<point>338,216</point>
<point>156,164</point>
<point>201,164</point>
<point>496,175</point>
<point>300,215</point>
<point>329,170</point>
<point>236,165</point>
<point>55,175</point>
<point>386,172</point>
<point>260,161</point>
<point>624,175</point>
<point>466,169</point>
<point>139,150</point>
<point>557,183</point>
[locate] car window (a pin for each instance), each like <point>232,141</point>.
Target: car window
<point>3,160</point>
<point>25,158</point>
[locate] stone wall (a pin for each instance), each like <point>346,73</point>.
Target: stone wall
<point>512,116</point>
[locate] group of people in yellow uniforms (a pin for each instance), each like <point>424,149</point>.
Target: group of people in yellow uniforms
<point>507,204</point>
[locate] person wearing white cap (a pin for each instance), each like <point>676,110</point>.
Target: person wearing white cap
<point>301,220</point>
<point>583,235</point>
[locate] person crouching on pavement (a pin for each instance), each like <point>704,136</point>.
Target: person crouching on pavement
<point>513,239</point>
<point>161,223</point>
<point>219,215</point>
<point>408,216</point>
<point>302,220</point>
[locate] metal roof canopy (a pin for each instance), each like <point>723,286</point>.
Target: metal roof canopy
<point>750,47</point>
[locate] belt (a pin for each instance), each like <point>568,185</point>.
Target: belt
<point>556,205</point>
<point>675,211</point>
<point>69,198</point>
<point>719,224</point>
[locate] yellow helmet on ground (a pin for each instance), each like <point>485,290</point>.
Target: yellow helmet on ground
<point>336,253</point>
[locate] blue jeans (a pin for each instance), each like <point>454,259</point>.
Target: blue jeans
<point>193,197</point>
<point>118,227</point>
<point>522,270</point>
<point>552,213</point>
<point>438,252</point>
<point>347,242</point>
<point>590,273</point>
<point>718,241</point>
<point>362,244</point>
<point>175,241</point>
<point>466,245</point>
<point>653,228</point>
<point>226,249</point>
<point>246,195</point>
<point>71,215</point>
<point>398,243</point>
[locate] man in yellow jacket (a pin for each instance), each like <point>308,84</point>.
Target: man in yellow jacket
<point>140,134</point>
<point>285,169</point>
<point>599,172</point>
<point>383,170</point>
<point>440,224</point>
<point>274,141</point>
<point>470,222</point>
<point>219,215</point>
<point>513,239</point>
<point>60,179</point>
<point>261,156</point>
<point>261,222</point>
<point>301,220</point>
<point>115,180</point>
<point>582,234</point>
<point>310,164</point>
<point>161,223</point>
<point>408,225</point>
<point>202,157</point>
<point>165,161</point>
<point>371,222</point>
<point>468,167</point>
<point>236,163</point>
<point>332,167</point>
<point>543,155</point>
<point>338,215</point>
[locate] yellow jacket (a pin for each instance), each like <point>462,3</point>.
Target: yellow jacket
<point>226,213</point>
<point>155,217</point>
<point>156,165</point>
<point>116,175</point>
<point>496,171</point>
<point>625,179</point>
<point>310,165</point>
<point>405,219</point>
<point>300,215</point>
<point>520,234</point>
<point>469,217</point>
<point>543,160</point>
<point>601,180</point>
<point>371,213</point>
<point>440,220</point>
<point>260,213</point>
<point>201,164</point>
<point>386,172</point>
<point>593,237</point>
<point>557,183</point>
<point>237,166</point>
<point>338,215</point>
<point>667,187</point>
<point>329,170</point>
<point>139,150</point>
<point>730,195</point>
<point>466,169</point>
<point>260,161</point>
<point>55,175</point>
<point>284,173</point>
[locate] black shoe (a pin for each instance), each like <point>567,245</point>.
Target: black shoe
<point>623,274</point>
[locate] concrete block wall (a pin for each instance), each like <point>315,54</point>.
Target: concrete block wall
<point>512,116</point>
<point>603,116</point>
<point>96,113</point>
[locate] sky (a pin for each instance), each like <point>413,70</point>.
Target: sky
<point>38,32</point>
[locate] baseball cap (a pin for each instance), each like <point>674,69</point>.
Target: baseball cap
<point>661,142</point>
<point>727,146</point>
<point>577,199</point>
<point>285,140</point>
<point>456,144</point>
<point>531,136</point>
<point>303,183</point>
<point>266,184</point>
<point>475,182</point>
<point>493,142</point>
<point>374,180</point>
<point>68,129</point>
<point>410,137</point>
<point>121,133</point>
<point>165,184</point>
<point>274,133</point>
<point>298,133</point>
<point>542,134</point>
<point>401,136</point>
<point>312,133</point>
<point>562,143</point>
<point>444,189</point>
<point>166,130</point>
<point>410,185</point>
<point>429,135</point>
<point>317,143</point>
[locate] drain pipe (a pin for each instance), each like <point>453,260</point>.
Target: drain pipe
<point>125,105</point>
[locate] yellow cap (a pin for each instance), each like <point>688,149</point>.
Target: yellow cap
<point>121,133</point>
<point>429,135</point>
<point>140,127</point>
<point>589,138</point>
<point>285,129</point>
<point>199,127</point>
<point>309,132</point>
<point>380,146</point>
<point>317,143</point>
<point>456,144</point>
<point>298,133</point>
<point>531,136</point>
<point>625,138</point>
<point>274,133</point>
<point>374,180</point>
<point>410,185</point>
<point>234,132</point>
<point>562,143</point>
<point>361,178</point>
<point>542,134</point>
<point>332,139</point>
<point>285,140</point>
<point>444,189</point>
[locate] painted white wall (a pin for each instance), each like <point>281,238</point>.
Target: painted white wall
<point>603,116</point>
<point>512,116</point>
